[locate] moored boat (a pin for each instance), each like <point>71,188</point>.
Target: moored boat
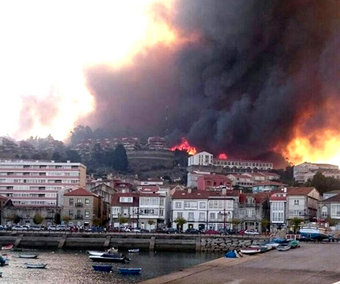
<point>110,258</point>
<point>104,268</point>
<point>36,265</point>
<point>250,250</point>
<point>313,233</point>
<point>131,271</point>
<point>133,250</point>
<point>294,244</point>
<point>283,247</point>
<point>7,247</point>
<point>99,253</point>
<point>28,255</point>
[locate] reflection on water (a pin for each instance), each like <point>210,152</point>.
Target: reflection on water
<point>76,267</point>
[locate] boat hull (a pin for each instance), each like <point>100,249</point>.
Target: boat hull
<point>103,268</point>
<point>28,256</point>
<point>250,251</point>
<point>35,266</point>
<point>109,259</point>
<point>129,271</point>
<point>283,248</point>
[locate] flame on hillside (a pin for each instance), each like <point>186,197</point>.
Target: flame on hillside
<point>222,156</point>
<point>184,146</point>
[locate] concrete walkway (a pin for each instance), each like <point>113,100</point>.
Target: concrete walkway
<point>312,263</point>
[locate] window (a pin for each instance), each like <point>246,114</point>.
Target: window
<point>191,216</point>
<point>179,214</point>
<point>202,205</point>
<point>161,212</point>
<point>212,216</point>
<point>126,199</point>
<point>87,201</point>
<point>335,210</point>
<point>71,201</point>
<point>70,213</point>
<point>87,213</point>
<point>178,205</point>
<point>202,216</point>
<point>186,204</point>
<point>296,202</point>
<point>324,212</point>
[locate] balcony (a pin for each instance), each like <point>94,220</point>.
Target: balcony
<point>79,204</point>
<point>78,217</point>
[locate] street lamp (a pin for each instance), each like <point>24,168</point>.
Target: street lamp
<point>224,214</point>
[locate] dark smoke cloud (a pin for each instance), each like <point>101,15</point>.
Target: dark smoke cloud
<point>242,88</point>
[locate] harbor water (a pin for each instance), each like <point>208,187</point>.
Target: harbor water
<point>76,267</point>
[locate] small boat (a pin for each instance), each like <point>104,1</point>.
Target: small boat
<point>133,250</point>
<point>99,253</point>
<point>104,268</point>
<point>131,271</point>
<point>294,244</point>
<point>313,233</point>
<point>279,240</point>
<point>110,258</point>
<point>4,260</point>
<point>262,248</point>
<point>250,250</point>
<point>7,247</point>
<point>36,265</point>
<point>283,247</point>
<point>272,245</point>
<point>28,255</point>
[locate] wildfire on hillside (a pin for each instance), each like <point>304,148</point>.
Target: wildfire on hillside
<point>222,156</point>
<point>185,146</point>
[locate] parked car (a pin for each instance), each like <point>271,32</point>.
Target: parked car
<point>172,231</point>
<point>52,228</point>
<point>192,231</point>
<point>19,228</point>
<point>211,232</point>
<point>2,228</point>
<point>251,232</point>
<point>35,228</point>
<point>61,228</point>
<point>144,231</point>
<point>136,230</point>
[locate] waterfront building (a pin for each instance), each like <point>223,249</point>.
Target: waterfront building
<point>203,209</point>
<point>278,210</point>
<point>153,206</point>
<point>306,171</point>
<point>330,208</point>
<point>266,186</point>
<point>38,183</point>
<point>125,210</point>
<point>302,202</point>
<point>82,208</point>
<point>253,209</point>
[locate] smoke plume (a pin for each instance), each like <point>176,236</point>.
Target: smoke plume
<point>259,74</point>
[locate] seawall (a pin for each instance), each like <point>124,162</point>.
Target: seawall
<point>160,242</point>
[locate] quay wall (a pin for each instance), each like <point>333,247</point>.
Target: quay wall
<point>158,242</point>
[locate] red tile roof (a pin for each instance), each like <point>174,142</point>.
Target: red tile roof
<point>149,188</point>
<point>299,190</point>
<point>80,192</point>
<point>194,194</point>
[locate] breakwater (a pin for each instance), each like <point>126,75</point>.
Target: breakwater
<point>158,242</point>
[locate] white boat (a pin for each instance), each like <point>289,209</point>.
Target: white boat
<point>28,255</point>
<point>36,265</point>
<point>100,253</point>
<point>250,250</point>
<point>133,250</point>
<point>313,233</point>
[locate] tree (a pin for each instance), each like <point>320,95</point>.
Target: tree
<point>16,219</point>
<point>96,222</point>
<point>57,218</point>
<point>151,222</point>
<point>38,219</point>
<point>120,162</point>
<point>295,222</point>
<point>73,156</point>
<point>264,224</point>
<point>331,222</point>
<point>236,222</point>
<point>66,219</point>
<point>123,220</point>
<point>180,221</point>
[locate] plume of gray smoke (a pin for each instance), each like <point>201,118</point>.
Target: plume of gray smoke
<point>242,88</point>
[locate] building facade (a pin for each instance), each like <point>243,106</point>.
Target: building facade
<point>125,210</point>
<point>82,208</point>
<point>200,159</point>
<point>306,171</point>
<point>37,183</point>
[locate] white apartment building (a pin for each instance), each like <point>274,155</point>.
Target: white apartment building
<point>305,171</point>
<point>153,205</point>
<point>202,210</point>
<point>125,210</point>
<point>38,183</point>
<point>278,204</point>
<point>236,165</point>
<point>200,159</point>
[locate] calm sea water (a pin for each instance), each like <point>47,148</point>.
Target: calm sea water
<point>76,267</point>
